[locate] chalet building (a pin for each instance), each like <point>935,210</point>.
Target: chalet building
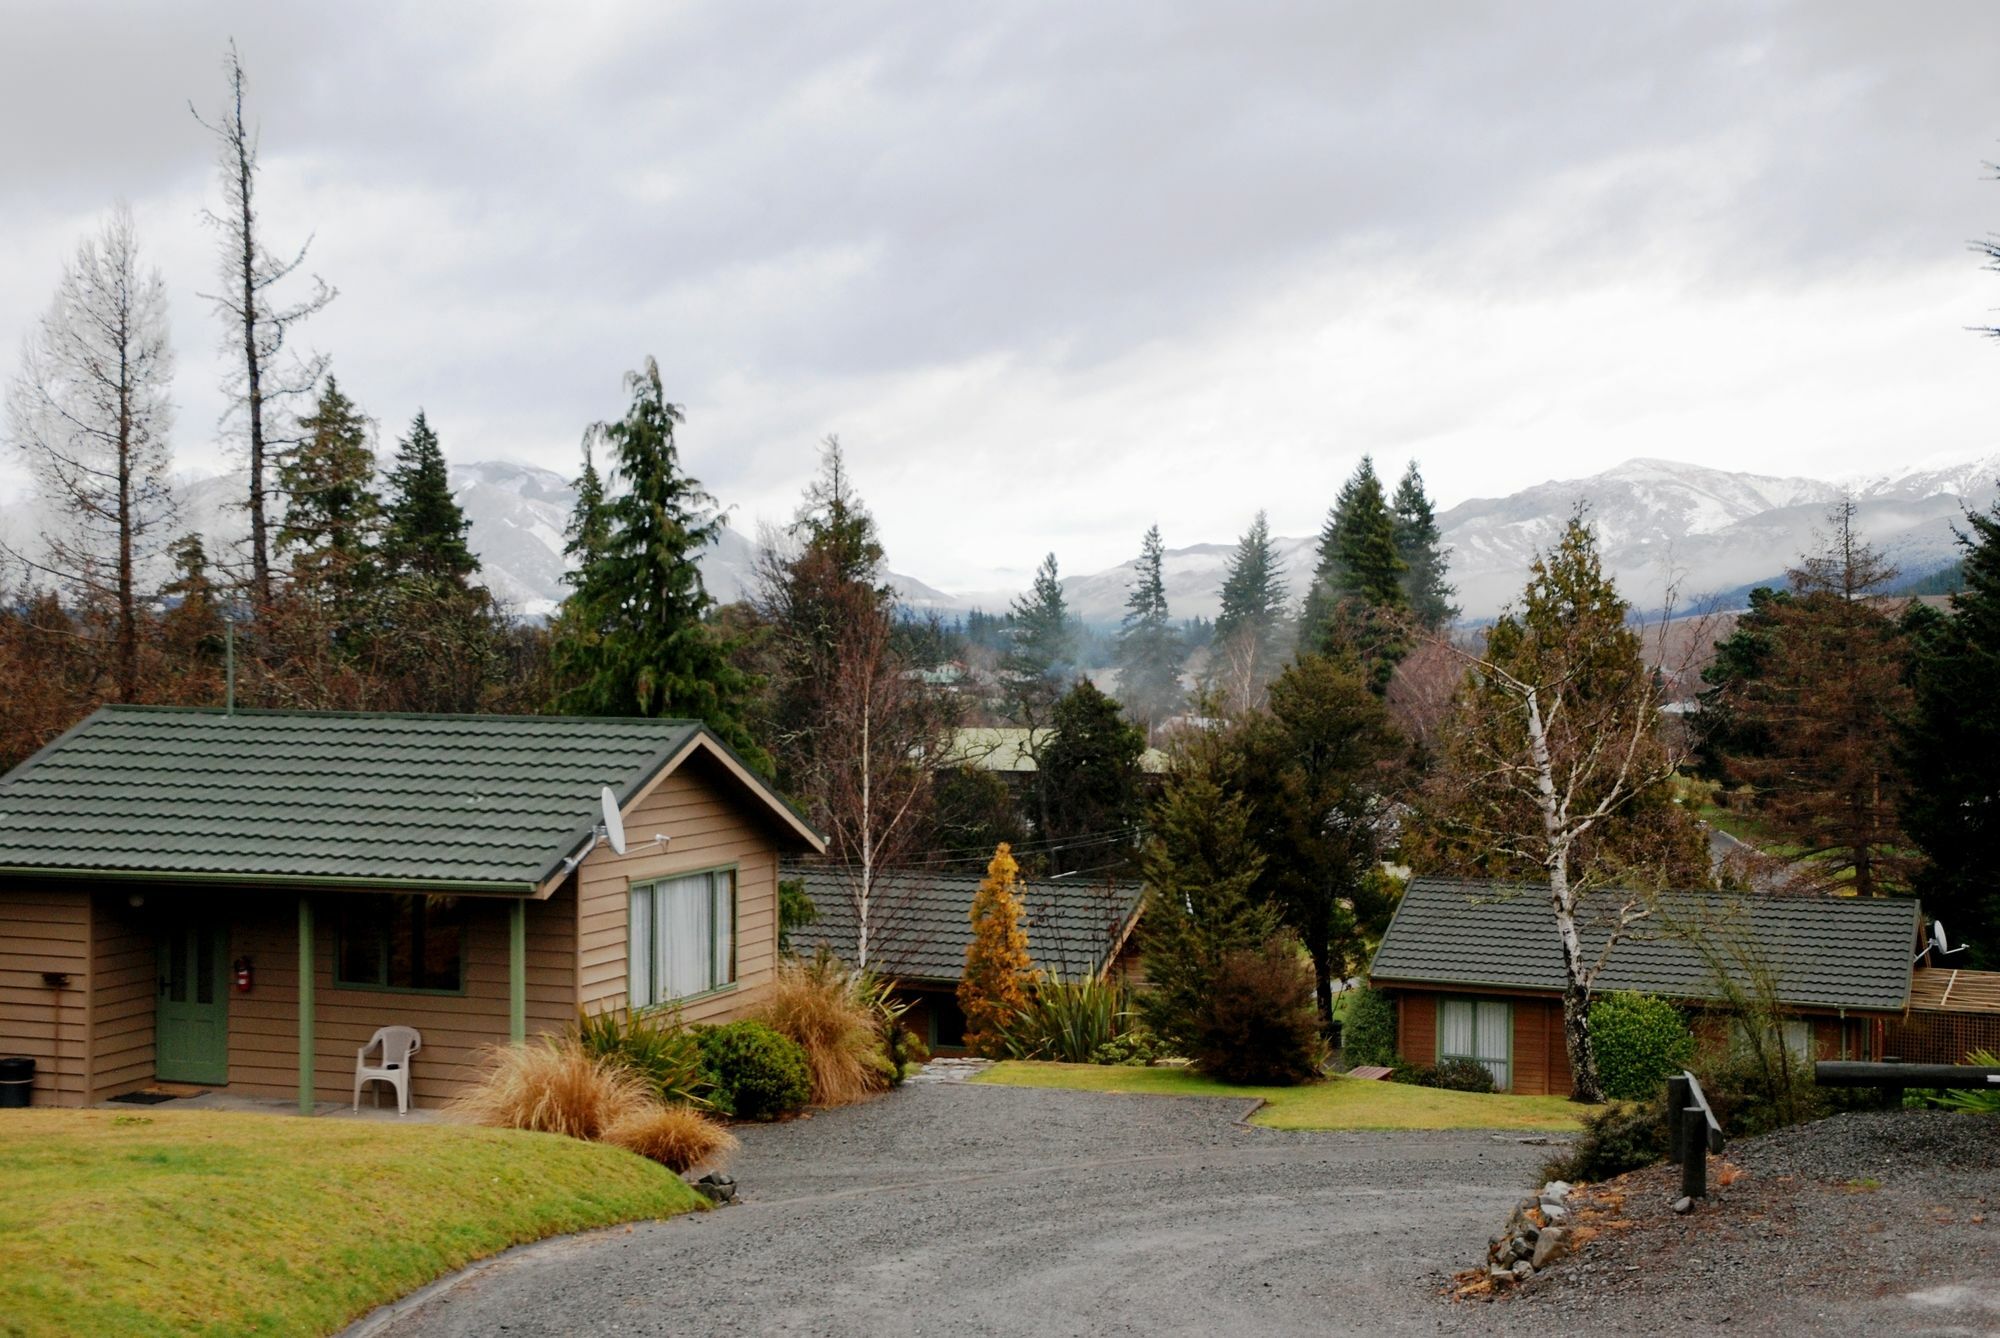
<point>1475,971</point>
<point>239,899</point>
<point>923,925</point>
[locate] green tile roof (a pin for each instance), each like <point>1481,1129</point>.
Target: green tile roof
<point>1826,952</point>
<point>493,802</point>
<point>923,920</point>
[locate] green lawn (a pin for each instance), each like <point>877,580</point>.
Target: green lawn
<point>1337,1103</point>
<point>206,1222</point>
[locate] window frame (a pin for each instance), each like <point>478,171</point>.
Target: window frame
<point>340,925</point>
<point>1473,1001</point>
<point>634,885</point>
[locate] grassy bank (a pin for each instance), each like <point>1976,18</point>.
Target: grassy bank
<point>203,1222</point>
<point>1337,1103</point>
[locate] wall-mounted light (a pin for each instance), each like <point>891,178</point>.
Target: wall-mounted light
<point>135,901</point>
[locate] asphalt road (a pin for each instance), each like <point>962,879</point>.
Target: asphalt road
<point>954,1209</point>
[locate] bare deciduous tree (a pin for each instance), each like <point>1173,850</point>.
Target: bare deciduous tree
<point>89,410</point>
<point>256,324</point>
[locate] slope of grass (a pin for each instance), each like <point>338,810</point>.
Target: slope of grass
<point>208,1222</point>
<point>1337,1103</point>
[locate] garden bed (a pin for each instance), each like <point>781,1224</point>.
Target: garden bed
<point>1334,1103</point>
<point>1888,1209</point>
<point>204,1222</point>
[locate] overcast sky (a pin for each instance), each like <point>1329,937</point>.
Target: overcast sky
<point>1056,272</point>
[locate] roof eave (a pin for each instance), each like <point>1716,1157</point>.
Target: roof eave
<point>303,882</point>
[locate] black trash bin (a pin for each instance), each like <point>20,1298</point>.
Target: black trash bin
<point>17,1080</point>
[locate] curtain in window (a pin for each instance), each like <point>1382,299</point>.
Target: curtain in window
<point>1494,1019</point>
<point>681,944</point>
<point>1455,1028</point>
<point>639,985</point>
<point>723,968</point>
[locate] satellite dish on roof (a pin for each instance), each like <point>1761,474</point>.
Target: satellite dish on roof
<point>614,821</point>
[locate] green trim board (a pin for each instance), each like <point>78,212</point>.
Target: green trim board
<point>471,804</point>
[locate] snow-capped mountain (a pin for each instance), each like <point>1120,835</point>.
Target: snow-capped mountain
<point>1716,530</point>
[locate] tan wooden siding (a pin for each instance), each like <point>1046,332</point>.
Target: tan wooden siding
<point>47,931</point>
<point>124,997</point>
<point>264,1026</point>
<point>1416,1028</point>
<point>706,827</point>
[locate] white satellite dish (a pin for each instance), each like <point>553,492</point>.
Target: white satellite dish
<point>614,821</point>
<point>1937,936</point>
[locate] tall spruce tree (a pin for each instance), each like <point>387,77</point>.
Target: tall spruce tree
<point>1250,630</point>
<point>1149,646</point>
<point>1825,703</point>
<point>1043,649</point>
<point>424,530</point>
<point>633,640</point>
<point>1090,768</point>
<point>1357,556</point>
<point>332,514</point>
<point>1426,560</point>
<point>1951,751</point>
<point>1200,867</point>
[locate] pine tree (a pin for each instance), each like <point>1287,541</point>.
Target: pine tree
<point>1149,648</point>
<point>993,989</point>
<point>1200,867</point>
<point>424,530</point>
<point>192,630</point>
<point>332,514</point>
<point>1357,556</point>
<point>1317,769</point>
<point>1043,649</point>
<point>1951,751</point>
<point>1825,705</point>
<point>633,640</point>
<point>1426,561</point>
<point>1250,629</point>
<point>1090,766</point>
<point>588,534</point>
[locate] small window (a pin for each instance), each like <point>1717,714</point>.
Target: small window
<point>401,943</point>
<point>1481,1030</point>
<point>683,937</point>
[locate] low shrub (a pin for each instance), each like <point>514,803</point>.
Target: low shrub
<point>1136,1046</point>
<point>550,1085</point>
<point>1067,1021</point>
<point>1752,1095</point>
<point>1621,1137</point>
<point>1974,1101</point>
<point>1451,1075</point>
<point>1641,1040</point>
<point>677,1137</point>
<point>1258,1023</point>
<point>656,1046</point>
<point>758,1074</point>
<point>1368,1035</point>
<point>901,1048</point>
<point>820,1006</point>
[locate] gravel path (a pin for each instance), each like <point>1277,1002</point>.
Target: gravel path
<point>966,1209</point>
<point>1867,1223</point>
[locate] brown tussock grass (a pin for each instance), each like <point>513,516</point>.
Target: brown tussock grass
<point>677,1137</point>
<point>549,1085</point>
<point>813,1004</point>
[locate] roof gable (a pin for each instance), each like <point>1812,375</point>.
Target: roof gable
<point>487,803</point>
<point>1827,952</point>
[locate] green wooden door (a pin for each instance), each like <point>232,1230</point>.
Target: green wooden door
<point>191,1034</point>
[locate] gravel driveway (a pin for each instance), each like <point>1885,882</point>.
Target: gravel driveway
<point>954,1209</point>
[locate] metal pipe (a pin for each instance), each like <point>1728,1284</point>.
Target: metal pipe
<point>1854,1073</point>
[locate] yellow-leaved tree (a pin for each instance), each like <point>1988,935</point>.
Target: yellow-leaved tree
<point>993,989</point>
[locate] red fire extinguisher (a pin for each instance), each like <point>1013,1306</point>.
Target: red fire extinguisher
<point>242,975</point>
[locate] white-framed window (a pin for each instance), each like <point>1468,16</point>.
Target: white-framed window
<point>1795,1032</point>
<point>683,937</point>
<point>1481,1030</point>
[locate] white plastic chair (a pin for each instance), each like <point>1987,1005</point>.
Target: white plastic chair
<point>397,1044</point>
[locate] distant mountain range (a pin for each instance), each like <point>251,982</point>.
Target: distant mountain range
<point>1721,531</point>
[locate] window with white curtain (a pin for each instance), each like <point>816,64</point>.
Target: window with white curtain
<point>683,937</point>
<point>1481,1030</point>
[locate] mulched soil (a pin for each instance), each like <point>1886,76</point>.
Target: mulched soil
<point>1865,1222</point>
